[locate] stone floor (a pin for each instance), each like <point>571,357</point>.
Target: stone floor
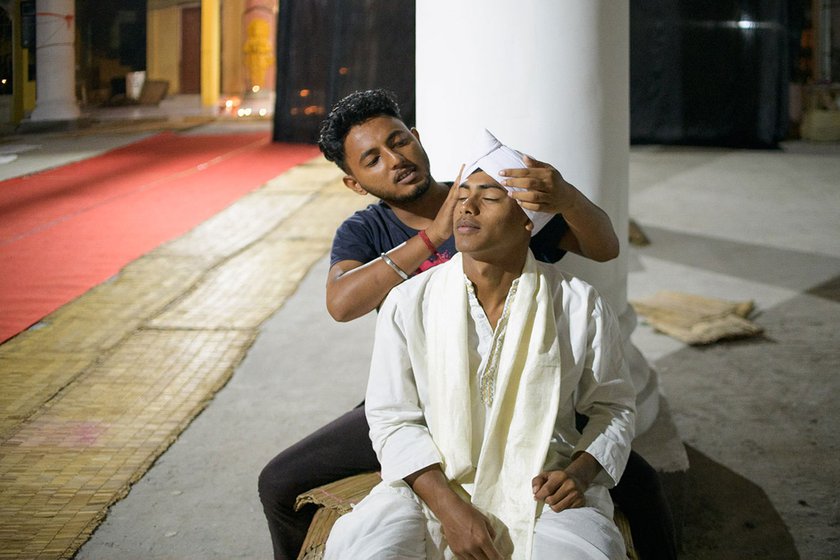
<point>757,415</point>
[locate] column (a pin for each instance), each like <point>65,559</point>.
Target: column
<point>550,79</point>
<point>259,30</point>
<point>55,28</point>
<point>258,34</point>
<point>210,53</point>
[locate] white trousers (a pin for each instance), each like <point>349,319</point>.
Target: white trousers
<point>392,523</point>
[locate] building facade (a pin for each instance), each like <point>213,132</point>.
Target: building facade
<point>216,50</point>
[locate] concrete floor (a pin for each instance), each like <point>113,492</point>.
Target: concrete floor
<point>757,415</point>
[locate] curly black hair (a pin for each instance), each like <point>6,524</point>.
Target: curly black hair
<point>354,109</point>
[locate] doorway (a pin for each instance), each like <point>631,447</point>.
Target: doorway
<point>191,50</point>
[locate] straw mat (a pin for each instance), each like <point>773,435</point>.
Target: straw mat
<point>106,383</point>
<point>695,319</point>
<point>67,229</point>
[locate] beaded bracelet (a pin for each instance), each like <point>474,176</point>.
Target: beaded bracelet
<point>394,266</point>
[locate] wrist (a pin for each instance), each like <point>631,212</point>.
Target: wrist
<point>449,507</point>
<point>434,238</point>
<point>427,241</point>
<point>573,202</point>
<point>584,468</point>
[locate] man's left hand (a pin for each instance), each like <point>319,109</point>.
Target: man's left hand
<point>546,190</point>
<point>559,489</point>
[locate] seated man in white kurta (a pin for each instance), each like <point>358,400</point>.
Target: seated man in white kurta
<point>478,368</point>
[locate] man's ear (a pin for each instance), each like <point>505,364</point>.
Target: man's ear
<point>351,183</point>
<point>416,133</point>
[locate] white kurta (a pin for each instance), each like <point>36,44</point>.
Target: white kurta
<point>593,381</point>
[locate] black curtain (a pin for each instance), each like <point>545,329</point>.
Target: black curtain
<point>709,72</point>
<point>329,48</point>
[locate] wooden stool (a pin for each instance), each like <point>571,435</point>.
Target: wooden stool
<point>337,498</point>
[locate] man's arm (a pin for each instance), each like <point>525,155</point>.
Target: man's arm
<point>605,394</point>
<point>590,233</point>
<point>355,288</point>
<point>398,430</point>
<point>468,532</point>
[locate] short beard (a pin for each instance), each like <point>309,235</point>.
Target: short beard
<point>412,196</point>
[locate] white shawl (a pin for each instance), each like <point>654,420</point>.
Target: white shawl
<point>521,419</point>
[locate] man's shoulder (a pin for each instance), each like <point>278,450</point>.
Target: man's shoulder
<point>375,221</point>
<point>566,285</point>
<point>371,214</point>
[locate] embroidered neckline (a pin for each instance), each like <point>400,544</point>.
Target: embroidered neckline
<point>487,377</point>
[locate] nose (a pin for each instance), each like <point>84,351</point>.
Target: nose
<point>469,206</point>
<point>395,159</point>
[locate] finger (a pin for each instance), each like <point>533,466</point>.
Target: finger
<point>559,494</point>
<point>566,494</point>
<point>528,183</point>
<point>559,486</point>
<point>531,206</point>
<point>573,500</point>
<point>534,197</point>
<point>538,481</point>
<point>549,488</point>
<point>531,162</point>
<point>457,182</point>
<point>524,172</point>
<point>452,196</point>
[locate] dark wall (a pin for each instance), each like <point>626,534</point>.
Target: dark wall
<point>329,48</point>
<point>709,72</point>
<point>6,50</point>
<point>115,30</point>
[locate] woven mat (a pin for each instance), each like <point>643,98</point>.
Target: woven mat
<point>695,319</point>
<point>105,384</point>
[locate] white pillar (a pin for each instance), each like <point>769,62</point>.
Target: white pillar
<point>548,78</point>
<point>55,29</point>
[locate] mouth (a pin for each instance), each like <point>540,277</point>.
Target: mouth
<point>406,175</point>
<point>466,226</point>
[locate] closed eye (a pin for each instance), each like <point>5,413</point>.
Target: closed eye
<point>399,140</point>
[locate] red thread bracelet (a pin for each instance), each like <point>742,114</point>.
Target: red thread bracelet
<point>427,241</point>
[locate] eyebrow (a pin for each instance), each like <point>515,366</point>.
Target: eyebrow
<point>482,186</point>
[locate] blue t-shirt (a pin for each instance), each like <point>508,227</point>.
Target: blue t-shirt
<point>368,233</point>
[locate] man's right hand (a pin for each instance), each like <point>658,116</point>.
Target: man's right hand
<point>441,228</point>
<point>468,532</point>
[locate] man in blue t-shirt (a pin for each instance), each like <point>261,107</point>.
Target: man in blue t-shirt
<point>408,231</point>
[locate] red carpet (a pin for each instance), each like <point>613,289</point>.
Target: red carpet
<point>66,230</point>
